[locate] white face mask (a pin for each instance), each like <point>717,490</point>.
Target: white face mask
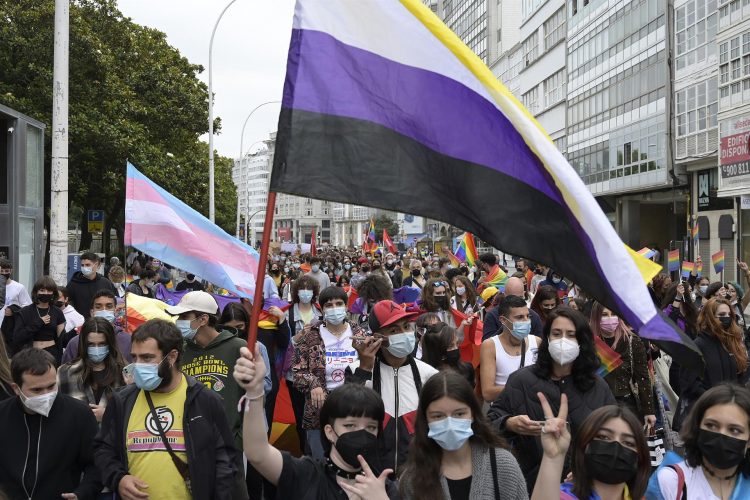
<point>39,404</point>
<point>564,351</point>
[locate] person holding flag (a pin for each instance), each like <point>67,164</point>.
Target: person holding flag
<point>494,276</point>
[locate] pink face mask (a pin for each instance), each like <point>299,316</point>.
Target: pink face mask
<point>609,323</point>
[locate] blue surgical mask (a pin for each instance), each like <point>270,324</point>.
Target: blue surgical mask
<point>108,315</point>
<point>97,353</point>
<point>146,375</point>
<point>450,433</point>
<point>305,296</point>
<point>335,315</point>
<point>401,344</point>
<point>521,329</point>
<point>556,280</point>
<point>315,268</point>
<point>347,266</point>
<point>87,270</point>
<point>703,289</point>
<point>184,325</point>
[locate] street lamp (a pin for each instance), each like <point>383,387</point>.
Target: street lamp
<point>211,117</point>
<point>256,108</point>
<point>247,225</point>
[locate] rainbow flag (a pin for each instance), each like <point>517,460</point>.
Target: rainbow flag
<point>609,360</point>
<point>718,261</point>
<point>699,269</point>
<point>647,252</point>
<point>694,230</point>
<point>673,263</point>
<point>497,279</point>
<point>371,234</point>
<point>359,96</point>
<point>454,260</point>
<point>467,250</point>
<point>687,268</point>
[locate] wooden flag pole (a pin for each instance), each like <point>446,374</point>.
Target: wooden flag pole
<point>252,332</point>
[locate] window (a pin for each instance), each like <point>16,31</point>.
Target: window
<point>531,48</point>
<point>530,99</point>
<point>696,107</point>
<point>734,62</point>
<point>554,29</point>
<point>554,89</point>
<point>695,32</point>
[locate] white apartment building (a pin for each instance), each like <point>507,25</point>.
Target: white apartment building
<point>251,176</point>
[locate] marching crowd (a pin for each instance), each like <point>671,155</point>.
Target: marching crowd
<point>408,377</point>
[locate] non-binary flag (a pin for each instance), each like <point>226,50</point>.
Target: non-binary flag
<point>717,260</point>
<point>673,260</point>
<point>385,106</point>
<point>162,226</point>
<point>687,268</point>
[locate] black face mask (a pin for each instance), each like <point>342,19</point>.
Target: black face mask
<point>361,442</point>
<point>452,357</point>
<point>723,452</point>
<point>44,298</point>
<point>610,462</point>
<point>416,273</point>
<point>60,304</point>
<point>7,276</point>
<point>726,321</point>
<point>442,302</point>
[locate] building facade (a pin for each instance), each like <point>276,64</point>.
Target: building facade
<point>251,175</point>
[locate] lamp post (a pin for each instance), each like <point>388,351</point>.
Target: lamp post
<point>211,214</point>
<point>247,225</point>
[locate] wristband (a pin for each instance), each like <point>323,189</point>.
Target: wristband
<point>241,403</point>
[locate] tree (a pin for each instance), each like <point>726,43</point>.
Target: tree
<point>132,97</point>
<point>387,223</point>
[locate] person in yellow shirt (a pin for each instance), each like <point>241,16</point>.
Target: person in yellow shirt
<point>166,436</point>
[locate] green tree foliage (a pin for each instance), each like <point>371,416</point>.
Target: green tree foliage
<point>132,97</point>
<point>390,225</point>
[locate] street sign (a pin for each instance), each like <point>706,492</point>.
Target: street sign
<point>96,221</point>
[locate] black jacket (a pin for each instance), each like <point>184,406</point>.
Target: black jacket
<point>519,398</point>
<point>81,291</point>
<point>208,440</point>
<point>66,452</point>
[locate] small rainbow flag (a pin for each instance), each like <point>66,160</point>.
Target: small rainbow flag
<point>647,252</point>
<point>699,269</point>
<point>718,261</point>
<point>467,250</point>
<point>371,234</point>
<point>609,360</point>
<point>674,260</point>
<point>454,260</point>
<point>694,231</point>
<point>687,268</point>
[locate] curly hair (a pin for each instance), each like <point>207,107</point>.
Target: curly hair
<point>585,365</point>
<point>374,288</point>
<point>306,282</point>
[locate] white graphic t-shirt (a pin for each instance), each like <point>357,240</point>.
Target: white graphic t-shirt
<point>339,355</point>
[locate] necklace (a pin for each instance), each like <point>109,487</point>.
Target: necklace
<point>712,474</point>
<point>40,314</point>
<point>345,474</point>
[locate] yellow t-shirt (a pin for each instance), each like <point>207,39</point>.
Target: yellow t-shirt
<point>148,458</point>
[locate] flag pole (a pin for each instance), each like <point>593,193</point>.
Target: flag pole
<point>252,332</point>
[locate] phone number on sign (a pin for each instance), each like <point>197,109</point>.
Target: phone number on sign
<point>735,169</point>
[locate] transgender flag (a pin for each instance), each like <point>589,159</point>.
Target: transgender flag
<point>384,106</point>
<point>162,226</point>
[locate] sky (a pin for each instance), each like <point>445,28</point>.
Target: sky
<point>249,57</point>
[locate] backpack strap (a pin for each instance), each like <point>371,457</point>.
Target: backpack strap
<point>681,488</point>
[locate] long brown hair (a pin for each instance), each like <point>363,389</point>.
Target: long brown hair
<point>544,292</point>
<point>583,482</point>
<point>428,293</point>
<point>113,363</point>
<point>471,293</point>
<point>730,339</point>
<point>422,468</point>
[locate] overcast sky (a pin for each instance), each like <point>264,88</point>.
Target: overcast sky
<point>249,56</point>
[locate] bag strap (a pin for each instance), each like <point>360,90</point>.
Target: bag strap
<point>523,353</point>
<point>681,488</point>
<point>493,464</point>
<point>181,466</point>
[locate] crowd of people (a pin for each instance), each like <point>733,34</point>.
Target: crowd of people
<point>408,377</point>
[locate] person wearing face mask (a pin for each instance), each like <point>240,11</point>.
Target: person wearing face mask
<point>555,281</point>
<point>720,341</point>
<point>103,306</point>
<point>73,320</point>
<point>165,410</point>
<point>97,372</point>
<point>386,364</point>
<point>609,457</point>
<point>14,299</point>
<point>144,285</point>
<point>679,307</point>
<point>440,350</point>
<point>317,274</point>
<point>435,299</point>
<point>372,289</point>
<point>465,297</point>
<point>455,453</point>
<point>189,283</point>
<point>513,349</point>
<point>545,301</point>
<point>739,300</point>
<point>701,289</point>
<point>415,280</point>
<point>716,465</point>
<point>47,437</point>
<point>86,282</point>
<point>322,353</point>
<point>566,364</point>
<point>40,324</point>
<point>630,382</point>
<point>351,419</point>
<point>393,268</point>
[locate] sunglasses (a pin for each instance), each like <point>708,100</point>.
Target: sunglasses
<point>440,283</point>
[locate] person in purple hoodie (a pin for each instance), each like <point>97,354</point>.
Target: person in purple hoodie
<point>102,306</point>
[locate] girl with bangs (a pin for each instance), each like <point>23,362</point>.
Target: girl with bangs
<point>721,343</point>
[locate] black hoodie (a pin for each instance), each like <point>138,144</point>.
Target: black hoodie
<point>81,291</point>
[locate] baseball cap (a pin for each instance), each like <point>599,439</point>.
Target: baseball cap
<point>387,312</point>
<point>195,301</point>
<point>488,293</point>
